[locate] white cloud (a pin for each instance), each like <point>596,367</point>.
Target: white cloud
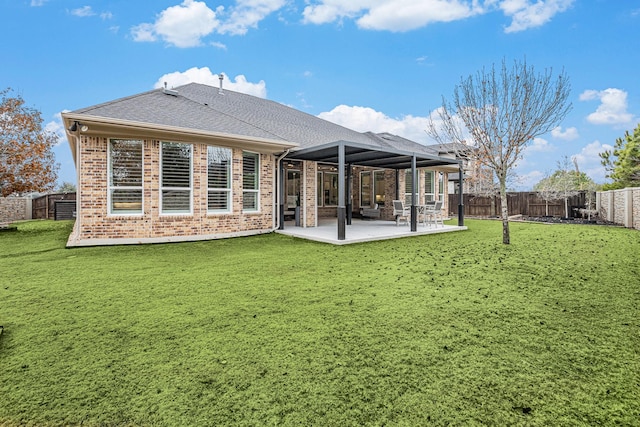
<point>205,76</point>
<point>38,3</point>
<point>181,26</point>
<point>83,11</point>
<point>612,109</point>
<point>55,126</point>
<point>106,15</point>
<point>568,134</point>
<point>219,45</point>
<point>247,14</point>
<point>143,33</point>
<point>527,14</point>
<point>526,181</point>
<point>406,15</point>
<point>589,160</point>
<point>392,15</point>
<point>186,24</point>
<point>540,145</point>
<point>365,119</point>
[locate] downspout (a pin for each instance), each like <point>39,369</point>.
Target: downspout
<point>276,212</point>
<point>78,223</point>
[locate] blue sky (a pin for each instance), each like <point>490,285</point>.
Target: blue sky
<point>379,65</point>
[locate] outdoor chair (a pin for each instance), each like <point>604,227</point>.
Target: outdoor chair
<point>425,211</point>
<point>400,212</point>
<point>370,212</point>
<point>436,214</point>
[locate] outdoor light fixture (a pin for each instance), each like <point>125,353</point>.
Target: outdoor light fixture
<point>74,127</point>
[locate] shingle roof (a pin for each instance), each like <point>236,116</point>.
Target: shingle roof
<point>201,107</point>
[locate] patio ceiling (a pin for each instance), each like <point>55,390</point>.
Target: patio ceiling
<point>369,155</point>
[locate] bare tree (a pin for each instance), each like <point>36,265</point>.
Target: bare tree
<point>503,111</point>
<point>547,190</point>
<point>566,183</point>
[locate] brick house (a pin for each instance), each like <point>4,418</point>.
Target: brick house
<point>197,163</point>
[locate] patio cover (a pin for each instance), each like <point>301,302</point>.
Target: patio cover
<point>345,153</point>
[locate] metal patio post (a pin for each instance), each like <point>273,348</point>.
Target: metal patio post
<point>341,193</point>
<point>414,207</point>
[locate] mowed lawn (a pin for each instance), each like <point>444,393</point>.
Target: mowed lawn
<point>450,329</point>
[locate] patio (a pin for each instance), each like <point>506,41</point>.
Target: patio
<point>361,231</point>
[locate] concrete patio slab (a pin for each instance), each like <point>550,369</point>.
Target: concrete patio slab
<point>361,231</point>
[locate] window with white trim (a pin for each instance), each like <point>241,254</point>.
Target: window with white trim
<point>125,177</point>
<point>250,182</point>
<point>319,189</point>
<point>429,186</point>
<point>218,179</point>
<point>175,177</point>
<point>408,187</point>
<point>330,188</point>
<point>379,187</point>
<point>365,189</point>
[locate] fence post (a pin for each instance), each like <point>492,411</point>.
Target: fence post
<point>610,213</point>
<point>628,208</point>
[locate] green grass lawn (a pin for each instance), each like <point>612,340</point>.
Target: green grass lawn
<point>448,329</point>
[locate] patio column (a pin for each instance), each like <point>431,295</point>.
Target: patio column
<point>460,196</point>
<point>414,202</point>
<point>349,193</point>
<point>341,193</point>
<point>281,194</point>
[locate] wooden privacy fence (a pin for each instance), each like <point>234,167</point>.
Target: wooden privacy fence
<point>54,206</point>
<point>521,203</point>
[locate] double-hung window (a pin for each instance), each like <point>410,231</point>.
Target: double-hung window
<point>250,182</point>
<point>125,177</point>
<point>378,187</point>
<point>408,188</point>
<point>365,189</point>
<point>429,186</point>
<point>175,176</point>
<point>218,179</point>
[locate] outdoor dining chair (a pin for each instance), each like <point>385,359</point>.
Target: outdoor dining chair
<point>400,212</point>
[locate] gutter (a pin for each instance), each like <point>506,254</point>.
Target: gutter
<point>276,213</point>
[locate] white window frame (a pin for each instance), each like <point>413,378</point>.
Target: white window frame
<point>335,175</point>
<point>228,190</point>
<point>190,188</point>
<point>370,173</point>
<point>374,187</point>
<point>430,195</point>
<point>112,187</point>
<point>407,196</point>
<point>257,189</point>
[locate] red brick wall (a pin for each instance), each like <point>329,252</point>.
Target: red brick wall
<point>94,222</point>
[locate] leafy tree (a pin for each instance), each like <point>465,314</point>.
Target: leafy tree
<point>26,158</point>
<point>67,187</point>
<point>623,163</point>
<point>502,110</point>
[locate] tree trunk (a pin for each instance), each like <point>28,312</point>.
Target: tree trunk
<point>566,207</point>
<point>505,212</point>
